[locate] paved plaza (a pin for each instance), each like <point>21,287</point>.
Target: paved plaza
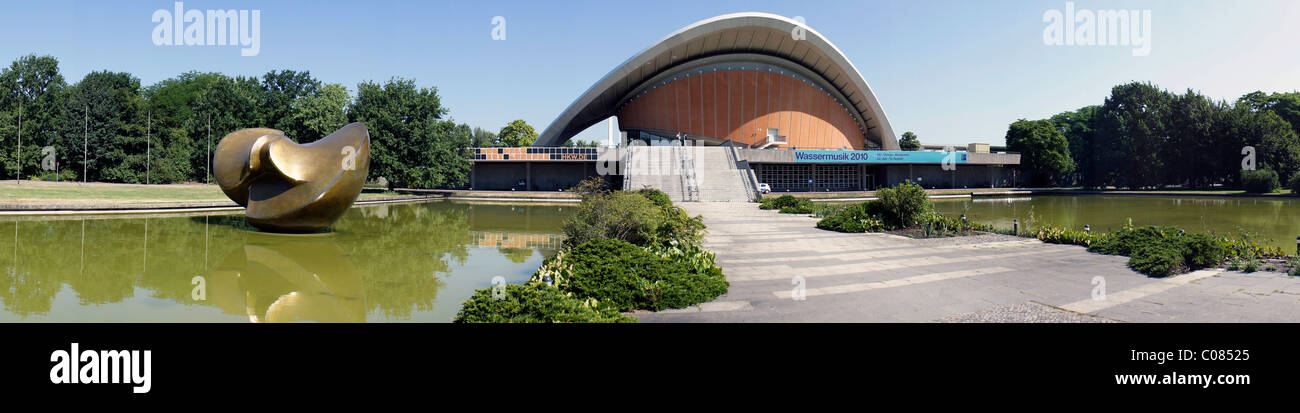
<point>771,259</point>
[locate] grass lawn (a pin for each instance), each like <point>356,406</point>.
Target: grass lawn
<point>37,193</point>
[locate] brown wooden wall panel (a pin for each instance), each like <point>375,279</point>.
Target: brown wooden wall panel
<point>708,105</point>
<point>733,92</point>
<point>740,105</point>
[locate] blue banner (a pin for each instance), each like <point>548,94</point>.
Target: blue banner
<point>821,156</point>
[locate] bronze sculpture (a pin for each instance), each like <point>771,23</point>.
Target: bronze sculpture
<point>288,187</point>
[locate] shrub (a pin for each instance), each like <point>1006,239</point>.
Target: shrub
<point>629,277</point>
<point>1061,235</point>
<point>589,187</point>
<point>782,201</point>
<point>657,197</point>
<point>630,217</point>
<point>535,303</point>
<point>1260,181</point>
<point>1161,251</point>
<point>1124,241</point>
<point>942,225</point>
<point>853,218</point>
<point>1250,265</point>
<point>618,215</point>
<point>1203,251</point>
<point>1159,259</point>
<point>1295,184</point>
<point>903,204</point>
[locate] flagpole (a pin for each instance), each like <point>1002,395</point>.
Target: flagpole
<point>85,139</point>
<point>19,178</point>
<point>209,148</point>
<point>148,142</point>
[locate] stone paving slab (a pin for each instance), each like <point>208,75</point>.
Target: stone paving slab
<point>989,278</point>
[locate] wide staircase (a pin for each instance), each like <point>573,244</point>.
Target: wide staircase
<point>690,173</point>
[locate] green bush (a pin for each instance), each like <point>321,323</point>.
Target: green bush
<point>630,217</point>
<point>535,303</point>
<point>1260,181</point>
<point>853,218</point>
<point>629,277</point>
<point>1203,251</point>
<point>1159,259</point>
<point>936,224</point>
<point>1060,235</point>
<point>903,204</point>
<point>788,204</point>
<point>657,197</point>
<point>1124,241</point>
<point>1295,184</point>
<point>1161,251</point>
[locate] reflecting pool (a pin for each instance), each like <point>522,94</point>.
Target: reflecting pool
<point>381,263</point>
<point>1276,220</point>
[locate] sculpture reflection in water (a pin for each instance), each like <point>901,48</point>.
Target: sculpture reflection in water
<point>288,187</point>
<point>285,279</point>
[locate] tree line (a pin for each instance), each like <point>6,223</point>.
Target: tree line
<point>163,133</point>
<point>1144,137</point>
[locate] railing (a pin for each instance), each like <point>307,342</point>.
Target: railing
<point>625,166</point>
<point>690,185</point>
<point>531,153</point>
<point>751,181</point>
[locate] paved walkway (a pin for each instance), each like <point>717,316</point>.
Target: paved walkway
<point>768,256</point>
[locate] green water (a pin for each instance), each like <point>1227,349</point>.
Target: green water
<point>410,262</point>
<point>1275,221</point>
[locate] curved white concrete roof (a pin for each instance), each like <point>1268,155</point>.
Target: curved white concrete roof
<point>742,35</point>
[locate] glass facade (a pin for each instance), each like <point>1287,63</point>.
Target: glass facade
<point>819,178</point>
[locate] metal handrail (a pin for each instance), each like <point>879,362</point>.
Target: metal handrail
<point>751,187</point>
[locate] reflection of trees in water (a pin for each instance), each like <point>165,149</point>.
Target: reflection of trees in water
<point>517,255</point>
<point>103,263</point>
<point>400,253</point>
<point>400,250</point>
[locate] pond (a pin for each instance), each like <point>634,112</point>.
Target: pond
<point>1275,221</point>
<point>382,263</point>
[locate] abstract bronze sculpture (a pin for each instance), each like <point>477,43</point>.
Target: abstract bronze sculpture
<point>287,187</point>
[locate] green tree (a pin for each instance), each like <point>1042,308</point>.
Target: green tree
<point>106,128</point>
<point>229,104</point>
<point>1131,132</point>
<point>484,138</point>
<point>34,83</point>
<point>411,145</point>
<point>175,125</point>
<point>909,142</point>
<point>1044,151</point>
<point>317,115</point>
<point>1077,128</point>
<point>280,91</point>
<point>1189,154</point>
<point>517,134</point>
<point>1276,144</point>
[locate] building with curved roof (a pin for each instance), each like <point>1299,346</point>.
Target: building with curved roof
<point>754,79</point>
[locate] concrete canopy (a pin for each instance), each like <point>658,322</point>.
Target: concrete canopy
<point>742,35</point>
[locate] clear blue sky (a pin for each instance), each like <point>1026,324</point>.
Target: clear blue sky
<point>952,71</point>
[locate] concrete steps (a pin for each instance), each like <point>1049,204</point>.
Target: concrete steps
<point>692,173</point>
